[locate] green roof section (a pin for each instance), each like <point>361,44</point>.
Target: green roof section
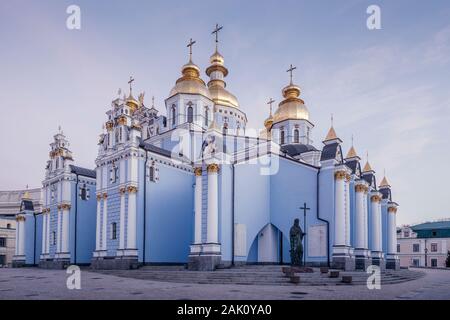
<point>439,229</point>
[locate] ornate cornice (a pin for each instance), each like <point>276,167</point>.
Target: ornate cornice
<point>109,125</point>
<point>99,196</point>
<point>65,206</point>
<point>122,190</point>
<point>105,196</point>
<point>213,168</point>
<point>20,218</point>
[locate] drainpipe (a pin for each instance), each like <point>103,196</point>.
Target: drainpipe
<point>326,221</point>
<point>34,242</point>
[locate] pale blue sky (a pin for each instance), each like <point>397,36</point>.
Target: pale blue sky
<point>389,87</point>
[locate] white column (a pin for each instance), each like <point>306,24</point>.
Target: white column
<point>131,225</point>
<point>360,217</point>
<point>65,228</point>
<point>47,242</point>
<point>105,220</point>
<point>22,236</point>
<point>58,231</point>
<point>339,219</point>
<point>392,231</point>
<point>98,223</point>
<point>213,209</point>
<point>347,211</point>
<point>366,219</point>
<point>44,231</point>
<point>375,222</point>
<point>122,219</point>
<point>198,206</point>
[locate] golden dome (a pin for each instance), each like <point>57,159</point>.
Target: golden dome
<point>132,103</point>
<point>221,96</point>
<point>190,82</point>
<point>268,122</point>
<point>26,196</point>
<point>292,107</point>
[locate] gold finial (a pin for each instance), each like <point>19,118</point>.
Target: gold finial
<point>216,32</point>
<point>271,101</point>
<point>367,167</point>
<point>190,45</point>
<point>384,182</point>
<point>290,70</point>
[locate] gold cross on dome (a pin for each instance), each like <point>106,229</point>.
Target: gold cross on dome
<point>216,32</point>
<point>130,83</point>
<point>270,104</point>
<point>190,45</point>
<point>290,70</point>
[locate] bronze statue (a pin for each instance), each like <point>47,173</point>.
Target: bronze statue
<point>296,236</point>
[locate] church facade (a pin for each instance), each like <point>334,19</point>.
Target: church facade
<point>195,187</point>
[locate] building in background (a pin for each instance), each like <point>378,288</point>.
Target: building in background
<point>10,202</point>
<point>424,245</point>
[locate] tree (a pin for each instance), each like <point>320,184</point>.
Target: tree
<point>447,262</point>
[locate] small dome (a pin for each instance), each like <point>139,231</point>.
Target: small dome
<point>268,122</point>
<point>132,103</point>
<point>190,82</point>
<point>217,58</point>
<point>291,108</point>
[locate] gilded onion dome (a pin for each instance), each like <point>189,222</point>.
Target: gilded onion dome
<point>268,122</point>
<point>190,82</point>
<point>217,73</point>
<point>132,103</point>
<point>292,107</point>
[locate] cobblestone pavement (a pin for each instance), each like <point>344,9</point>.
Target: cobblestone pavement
<point>34,283</point>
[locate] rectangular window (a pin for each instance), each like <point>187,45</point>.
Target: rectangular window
<point>416,262</point>
<point>434,247</point>
<point>84,193</point>
<point>406,234</point>
<point>416,247</point>
<point>114,231</point>
<point>3,242</point>
<point>398,247</point>
<point>54,238</point>
<point>2,260</point>
<point>434,263</point>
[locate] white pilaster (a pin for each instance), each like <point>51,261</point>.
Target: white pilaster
<point>131,225</point>
<point>58,231</point>
<point>47,240</point>
<point>65,229</point>
<point>198,206</point>
<point>213,209</point>
<point>99,223</point>
<point>104,220</point>
<point>122,219</point>
<point>392,230</point>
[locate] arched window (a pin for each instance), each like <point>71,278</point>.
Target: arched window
<point>190,114</point>
<point>174,115</point>
<point>206,116</point>
<point>296,136</point>
<point>282,137</point>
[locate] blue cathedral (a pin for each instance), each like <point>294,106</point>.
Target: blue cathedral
<point>196,187</point>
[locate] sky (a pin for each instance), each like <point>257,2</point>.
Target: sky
<point>389,88</point>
